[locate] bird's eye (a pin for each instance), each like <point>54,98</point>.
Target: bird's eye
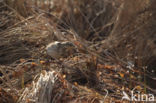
<point>58,43</point>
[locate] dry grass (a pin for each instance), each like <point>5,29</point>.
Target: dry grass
<point>115,41</point>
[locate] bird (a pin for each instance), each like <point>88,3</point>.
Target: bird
<point>60,49</point>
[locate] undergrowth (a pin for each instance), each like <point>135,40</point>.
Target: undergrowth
<point>116,45</point>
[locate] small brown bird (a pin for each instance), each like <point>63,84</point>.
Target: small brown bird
<point>60,49</point>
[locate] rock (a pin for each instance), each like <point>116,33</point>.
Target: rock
<point>60,49</point>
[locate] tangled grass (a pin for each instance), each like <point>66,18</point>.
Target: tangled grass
<point>115,40</point>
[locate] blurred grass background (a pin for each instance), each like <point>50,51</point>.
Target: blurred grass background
<point>117,32</point>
